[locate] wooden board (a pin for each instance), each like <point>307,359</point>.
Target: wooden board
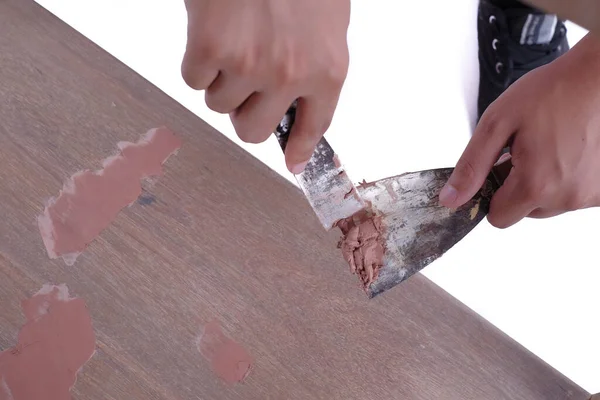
<point>225,237</point>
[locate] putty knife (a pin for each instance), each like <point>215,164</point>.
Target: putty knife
<point>414,229</point>
<point>324,182</point>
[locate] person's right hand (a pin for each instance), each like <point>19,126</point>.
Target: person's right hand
<point>255,57</point>
<point>550,119</point>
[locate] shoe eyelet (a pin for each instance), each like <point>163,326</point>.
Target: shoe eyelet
<point>499,67</point>
<point>495,44</point>
<point>492,19</point>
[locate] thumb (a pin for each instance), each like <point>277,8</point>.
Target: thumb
<point>490,137</point>
<point>312,120</point>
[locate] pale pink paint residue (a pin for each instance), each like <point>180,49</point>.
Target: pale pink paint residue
<point>53,345</point>
<point>90,200</point>
<point>228,359</point>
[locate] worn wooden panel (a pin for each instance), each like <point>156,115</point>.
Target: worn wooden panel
<point>225,237</point>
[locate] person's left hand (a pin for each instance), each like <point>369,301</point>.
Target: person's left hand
<point>552,117</point>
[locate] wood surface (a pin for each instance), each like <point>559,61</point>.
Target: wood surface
<point>224,237</point>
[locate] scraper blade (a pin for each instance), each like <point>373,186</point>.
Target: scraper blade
<point>416,229</point>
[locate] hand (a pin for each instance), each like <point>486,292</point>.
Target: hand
<point>552,117</point>
<point>255,57</point>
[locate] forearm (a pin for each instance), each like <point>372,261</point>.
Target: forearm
<point>582,12</point>
<point>584,58</point>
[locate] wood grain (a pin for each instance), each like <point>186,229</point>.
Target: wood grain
<point>220,235</point>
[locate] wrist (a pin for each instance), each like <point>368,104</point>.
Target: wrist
<point>586,51</point>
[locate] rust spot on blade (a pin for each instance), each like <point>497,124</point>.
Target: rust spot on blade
<point>350,193</point>
<point>365,184</point>
<point>391,192</point>
<point>475,210</point>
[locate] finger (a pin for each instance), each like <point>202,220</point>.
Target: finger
<point>256,119</point>
<point>540,213</point>
<point>510,203</point>
<point>199,67</point>
<point>313,118</point>
<point>227,93</point>
<point>490,137</point>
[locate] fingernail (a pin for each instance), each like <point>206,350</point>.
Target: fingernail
<point>503,157</point>
<point>448,195</point>
<point>298,168</point>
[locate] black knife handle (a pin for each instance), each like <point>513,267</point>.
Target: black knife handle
<point>499,174</point>
<point>282,132</point>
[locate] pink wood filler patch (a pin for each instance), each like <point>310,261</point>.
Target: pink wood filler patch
<point>90,200</point>
<point>53,345</point>
<point>228,359</point>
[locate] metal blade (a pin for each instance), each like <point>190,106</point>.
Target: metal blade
<point>416,229</point>
<point>324,181</point>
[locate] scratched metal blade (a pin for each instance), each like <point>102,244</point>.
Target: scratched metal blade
<point>324,182</point>
<point>417,230</point>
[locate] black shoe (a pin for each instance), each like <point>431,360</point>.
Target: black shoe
<point>512,42</point>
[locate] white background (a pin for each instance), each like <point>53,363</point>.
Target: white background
<point>409,104</point>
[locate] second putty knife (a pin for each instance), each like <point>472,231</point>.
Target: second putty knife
<point>416,230</point>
